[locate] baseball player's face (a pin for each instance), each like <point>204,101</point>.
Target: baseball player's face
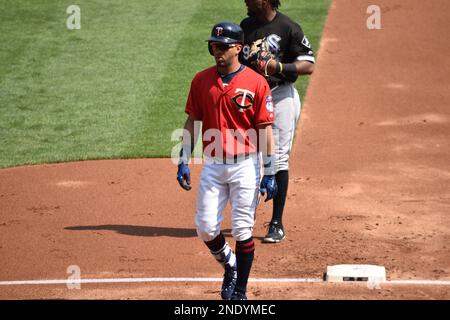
<point>254,6</point>
<point>225,54</point>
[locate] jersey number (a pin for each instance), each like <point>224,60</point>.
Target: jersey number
<point>246,51</point>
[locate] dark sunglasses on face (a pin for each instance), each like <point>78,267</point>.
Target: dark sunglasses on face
<point>222,46</point>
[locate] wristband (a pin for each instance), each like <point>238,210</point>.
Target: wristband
<point>280,67</point>
<point>185,154</point>
<point>269,165</point>
<point>289,71</point>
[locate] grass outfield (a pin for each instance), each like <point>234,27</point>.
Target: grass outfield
<point>117,87</point>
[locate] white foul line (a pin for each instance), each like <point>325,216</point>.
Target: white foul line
<point>137,280</point>
<point>143,280</point>
<point>424,282</point>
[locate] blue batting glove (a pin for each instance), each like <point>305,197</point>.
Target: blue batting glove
<point>269,185</point>
<point>184,176</point>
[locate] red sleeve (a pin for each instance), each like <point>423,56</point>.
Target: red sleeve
<point>192,104</point>
<point>265,110</point>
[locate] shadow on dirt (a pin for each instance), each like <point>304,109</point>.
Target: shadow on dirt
<point>144,231</point>
<point>140,231</point>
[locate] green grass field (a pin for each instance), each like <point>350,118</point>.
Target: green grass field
<point>117,87</point>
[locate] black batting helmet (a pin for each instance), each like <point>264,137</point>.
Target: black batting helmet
<point>225,32</point>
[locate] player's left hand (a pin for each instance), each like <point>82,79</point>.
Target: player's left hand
<point>263,60</point>
<point>184,176</point>
<point>268,185</point>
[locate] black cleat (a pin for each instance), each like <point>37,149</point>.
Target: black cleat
<point>275,233</point>
<point>229,282</point>
<point>238,296</point>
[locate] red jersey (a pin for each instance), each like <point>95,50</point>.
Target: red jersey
<point>230,113</point>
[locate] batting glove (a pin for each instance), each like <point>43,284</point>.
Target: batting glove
<point>184,176</point>
<point>269,185</point>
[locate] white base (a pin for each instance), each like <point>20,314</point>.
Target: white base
<point>356,272</point>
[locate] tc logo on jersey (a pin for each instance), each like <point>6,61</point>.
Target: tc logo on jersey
<point>244,99</point>
<point>218,31</point>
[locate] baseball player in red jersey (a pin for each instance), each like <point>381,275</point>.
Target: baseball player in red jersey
<point>235,107</point>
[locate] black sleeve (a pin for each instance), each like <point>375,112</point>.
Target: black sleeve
<point>300,48</point>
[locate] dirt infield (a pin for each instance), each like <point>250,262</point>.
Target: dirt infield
<point>369,183</point>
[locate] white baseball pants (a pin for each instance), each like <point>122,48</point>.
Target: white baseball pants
<point>220,183</point>
<point>287,113</point>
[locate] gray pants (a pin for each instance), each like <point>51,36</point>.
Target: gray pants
<point>287,113</point>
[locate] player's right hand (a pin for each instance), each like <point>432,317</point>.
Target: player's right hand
<point>184,176</point>
<point>269,185</point>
